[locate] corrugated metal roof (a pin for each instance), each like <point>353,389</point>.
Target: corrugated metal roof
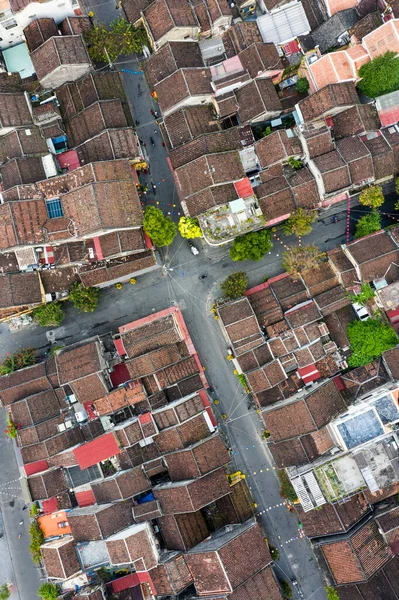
<point>284,24</point>
<point>93,452</point>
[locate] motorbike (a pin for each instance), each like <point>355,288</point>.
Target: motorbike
<point>193,249</point>
<point>152,141</point>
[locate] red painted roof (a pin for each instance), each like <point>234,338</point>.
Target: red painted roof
<point>97,246</point>
<point>207,405</point>
<point>93,452</point>
<point>120,348</point>
<point>339,383</point>
<point>120,374</point>
<point>36,467</point>
<point>309,373</point>
<point>389,116</point>
<point>291,48</point>
<point>132,580</point>
<point>244,188</point>
<point>50,506</point>
<point>145,418</point>
<point>393,315</point>
<point>85,498</point>
<point>69,160</point>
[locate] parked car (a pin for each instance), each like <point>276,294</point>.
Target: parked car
<point>361,311</point>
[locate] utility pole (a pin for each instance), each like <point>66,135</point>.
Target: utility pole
<point>111,66</point>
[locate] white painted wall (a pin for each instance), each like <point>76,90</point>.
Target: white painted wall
<point>11,35</point>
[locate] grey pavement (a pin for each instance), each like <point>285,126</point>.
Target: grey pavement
<point>17,567</point>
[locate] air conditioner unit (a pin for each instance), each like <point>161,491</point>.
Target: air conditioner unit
<point>68,424</point>
<point>61,427</point>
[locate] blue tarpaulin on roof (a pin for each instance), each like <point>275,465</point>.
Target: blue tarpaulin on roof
<point>148,498</point>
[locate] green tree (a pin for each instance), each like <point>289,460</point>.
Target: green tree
<point>366,293</point>
<point>122,38</point>
<point>48,591</point>
<point>302,85</point>
<point>295,163</point>
<point>19,360</point>
<point>368,340</point>
<point>189,228</point>
<point>235,285</point>
<point>372,196</point>
<point>161,229</point>
<point>331,593</point>
<point>299,223</point>
<point>85,299</point>
<point>298,260</point>
<point>4,592</point>
<point>286,589</point>
<point>370,223</point>
<point>274,553</point>
<point>286,489</point>
<point>380,76</point>
<point>251,246</point>
<point>36,540</point>
<point>49,315</point>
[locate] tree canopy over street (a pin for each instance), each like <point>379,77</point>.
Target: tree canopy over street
<point>299,222</point>
<point>370,223</point>
<point>300,259</point>
<point>251,246</point>
<point>161,229</point>
<point>235,285</point>
<point>121,39</point>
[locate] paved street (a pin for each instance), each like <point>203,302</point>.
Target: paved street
<point>16,564</point>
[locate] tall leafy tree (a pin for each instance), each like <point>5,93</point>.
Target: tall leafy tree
<point>298,260</point>
<point>372,196</point>
<point>235,285</point>
<point>48,591</point>
<point>380,75</point>
<point>159,227</point>
<point>49,315</point>
<point>85,299</point>
<point>251,246</point>
<point>299,223</point>
<point>189,228</point>
<point>121,39</point>
<point>368,340</point>
<point>370,223</point>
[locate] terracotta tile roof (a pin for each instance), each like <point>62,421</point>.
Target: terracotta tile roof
<point>289,421</point>
<point>204,457</point>
<point>20,289</point>
<point>38,31</point>
<point>277,147</point>
<point>240,36</point>
<point>260,57</point>
<point>358,157</point>
<point>100,521</point>
<point>14,110</point>
<point>213,196</point>
<point>209,170</point>
<point>391,359</point>
<point>176,498</point>
<point>334,171</point>
<point>89,388</point>
<point>356,120</point>
<point>303,314</point>
<point>189,122</point>
<point>48,484</point>
<point>74,363</point>
<point>382,155</point>
<point>357,559</point>
<point>74,25</point>
<point>327,100</point>
<point>183,84</point>
<point>170,58</point>
<point>275,198</point>
<point>133,8</point>
<point>372,247</point>
<point>257,99</point>
<point>60,559</point>
<point>172,575</point>
<point>262,585</point>
<point>112,143</point>
<point>364,379</point>
<point>342,266</point>
<point>151,336</point>
<point>289,453</point>
<point>211,143</point>
<point>58,51</point>
<point>96,118</point>
<point>163,15</point>
<point>21,171</point>
<point>223,564</point>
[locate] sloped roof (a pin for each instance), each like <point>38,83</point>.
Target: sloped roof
<point>93,452</point>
